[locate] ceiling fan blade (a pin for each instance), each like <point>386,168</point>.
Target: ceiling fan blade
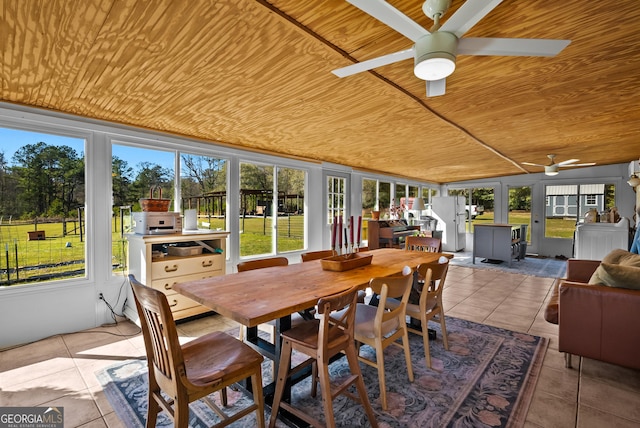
<point>568,161</point>
<point>532,164</point>
<point>373,63</point>
<point>510,47</point>
<point>387,14</point>
<point>468,15</point>
<point>577,164</point>
<point>436,88</point>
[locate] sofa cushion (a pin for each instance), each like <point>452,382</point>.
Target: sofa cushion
<point>619,268</point>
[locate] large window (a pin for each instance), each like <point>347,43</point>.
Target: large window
<point>290,230</point>
<point>136,173</point>
<point>203,189</point>
<point>42,203</point>
<point>260,210</point>
<point>567,205</point>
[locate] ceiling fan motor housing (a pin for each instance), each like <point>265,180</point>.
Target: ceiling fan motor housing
<point>431,8</point>
<point>435,55</point>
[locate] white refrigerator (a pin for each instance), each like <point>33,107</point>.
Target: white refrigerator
<point>451,215</point>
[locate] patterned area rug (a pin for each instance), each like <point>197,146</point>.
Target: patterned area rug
<point>485,379</point>
<point>536,266</point>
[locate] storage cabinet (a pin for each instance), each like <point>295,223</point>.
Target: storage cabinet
<point>492,241</point>
<point>596,240</point>
<point>153,264</point>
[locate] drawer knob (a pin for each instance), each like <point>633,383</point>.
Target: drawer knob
<point>171,269</point>
<point>207,263</point>
<point>175,303</point>
<point>168,286</point>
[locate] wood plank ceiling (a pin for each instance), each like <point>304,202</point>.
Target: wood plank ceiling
<point>256,74</point>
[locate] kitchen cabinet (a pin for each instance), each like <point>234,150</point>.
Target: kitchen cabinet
<point>161,261</point>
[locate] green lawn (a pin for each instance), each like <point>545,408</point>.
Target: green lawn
<point>60,253</point>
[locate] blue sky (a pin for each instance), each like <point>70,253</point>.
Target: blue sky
<point>12,139</point>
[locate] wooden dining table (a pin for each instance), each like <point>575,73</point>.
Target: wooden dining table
<point>274,293</point>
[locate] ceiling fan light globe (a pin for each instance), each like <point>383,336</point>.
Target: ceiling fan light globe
<point>435,56</point>
<point>551,170</point>
<point>434,68</point>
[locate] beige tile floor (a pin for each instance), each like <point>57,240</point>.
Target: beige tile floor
<point>59,371</point>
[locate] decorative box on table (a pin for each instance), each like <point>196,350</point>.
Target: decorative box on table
<point>346,262</point>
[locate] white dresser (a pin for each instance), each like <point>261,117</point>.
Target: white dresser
<point>596,240</point>
<point>151,265</point>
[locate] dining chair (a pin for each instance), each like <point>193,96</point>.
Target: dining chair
<point>423,243</point>
<point>181,374</point>
<point>430,303</point>
<point>315,255</point>
<point>381,326</point>
<point>248,265</point>
<point>321,339</point>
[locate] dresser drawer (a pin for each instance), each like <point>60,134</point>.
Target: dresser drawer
<point>179,266</point>
<point>178,302</point>
<point>166,284</point>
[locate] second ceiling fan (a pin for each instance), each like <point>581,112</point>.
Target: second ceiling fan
<point>434,50</point>
<point>553,167</point>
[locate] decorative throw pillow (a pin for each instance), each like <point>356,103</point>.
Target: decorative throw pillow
<point>622,257</point>
<point>619,268</point>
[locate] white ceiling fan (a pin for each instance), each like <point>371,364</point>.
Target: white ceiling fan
<point>434,50</point>
<point>553,167</point>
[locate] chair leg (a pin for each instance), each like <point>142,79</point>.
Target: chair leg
<point>352,358</point>
<point>425,341</point>
<point>325,388</point>
<point>381,379</point>
<point>223,396</point>
<point>181,412</point>
<point>258,398</point>
<point>443,327</point>
<point>283,374</point>
<point>314,378</point>
<point>407,354</point>
<point>152,409</point>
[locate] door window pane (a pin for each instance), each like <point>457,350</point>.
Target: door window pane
<point>42,201</point>
<point>336,188</point>
<point>520,208</point>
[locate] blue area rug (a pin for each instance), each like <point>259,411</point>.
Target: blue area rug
<point>536,266</point>
<point>485,379</point>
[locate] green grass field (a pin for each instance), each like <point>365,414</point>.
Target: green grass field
<point>59,254</point>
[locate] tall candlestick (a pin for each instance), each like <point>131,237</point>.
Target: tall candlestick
<point>346,242</point>
<point>351,230</point>
<point>340,231</point>
<point>359,227</point>
<point>333,234</point>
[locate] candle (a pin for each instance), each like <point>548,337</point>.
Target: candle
<point>340,231</point>
<point>333,233</point>
<point>346,243</point>
<point>351,230</point>
<point>359,227</point>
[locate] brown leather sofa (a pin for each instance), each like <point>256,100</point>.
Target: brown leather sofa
<point>595,321</point>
